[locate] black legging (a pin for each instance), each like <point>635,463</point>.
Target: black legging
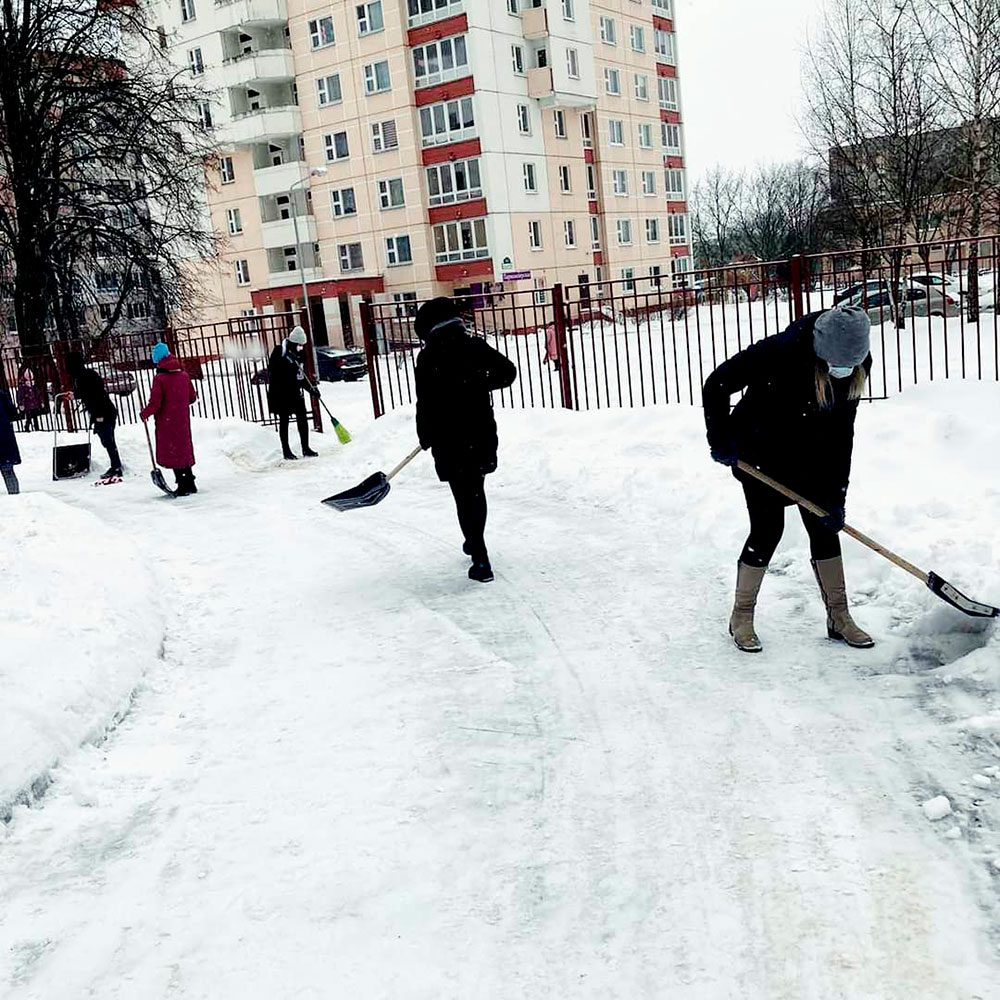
<point>301,420</point>
<point>767,524</point>
<point>469,491</point>
<point>105,430</point>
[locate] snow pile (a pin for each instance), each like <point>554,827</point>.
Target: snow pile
<point>80,626</point>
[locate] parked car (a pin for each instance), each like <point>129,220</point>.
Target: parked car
<point>117,382</point>
<point>914,300</point>
<point>338,364</point>
<point>942,282</point>
<point>874,286</point>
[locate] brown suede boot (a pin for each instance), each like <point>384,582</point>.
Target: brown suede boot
<point>748,580</point>
<point>839,623</point>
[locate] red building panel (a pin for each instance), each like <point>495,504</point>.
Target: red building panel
<point>674,161</point>
<point>673,117</point>
<point>444,91</point>
<point>663,23</point>
<point>464,269</point>
<point>598,258</point>
<point>453,151</point>
<point>325,289</point>
<point>588,155</point>
<point>677,206</point>
<point>595,209</point>
<point>680,251</point>
<point>457,25</point>
<point>463,210</point>
<point>663,69</point>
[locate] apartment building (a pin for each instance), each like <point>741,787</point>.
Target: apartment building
<point>397,149</point>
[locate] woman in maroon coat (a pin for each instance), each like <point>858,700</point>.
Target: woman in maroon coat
<point>170,402</point>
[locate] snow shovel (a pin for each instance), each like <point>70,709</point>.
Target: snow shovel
<point>156,475</point>
<point>938,586</point>
<point>343,435</point>
<point>372,491</point>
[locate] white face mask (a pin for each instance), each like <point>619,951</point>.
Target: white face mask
<point>840,372</point>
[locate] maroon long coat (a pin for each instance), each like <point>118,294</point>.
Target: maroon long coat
<point>170,403</point>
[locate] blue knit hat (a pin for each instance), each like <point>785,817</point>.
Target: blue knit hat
<point>160,351</point>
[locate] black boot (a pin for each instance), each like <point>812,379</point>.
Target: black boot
<point>303,425</point>
<point>481,571</point>
<point>185,482</point>
<point>286,451</point>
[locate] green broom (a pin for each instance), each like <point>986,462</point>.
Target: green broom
<point>343,434</point>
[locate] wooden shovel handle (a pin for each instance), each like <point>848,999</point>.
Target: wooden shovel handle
<point>406,461</point>
<point>848,530</point>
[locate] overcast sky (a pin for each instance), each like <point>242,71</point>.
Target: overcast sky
<point>740,70</point>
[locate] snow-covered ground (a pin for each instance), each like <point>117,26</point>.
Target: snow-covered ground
<point>354,773</point>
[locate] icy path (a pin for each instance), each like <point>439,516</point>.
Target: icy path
<point>356,775</point>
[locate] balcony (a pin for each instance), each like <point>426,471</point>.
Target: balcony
<point>261,125</point>
<point>276,279</point>
<point>281,233</point>
<point>535,23</point>
<point>429,11</point>
<point>258,67</point>
<point>540,81</point>
<point>542,87</point>
<point>279,179</point>
<point>239,13</point>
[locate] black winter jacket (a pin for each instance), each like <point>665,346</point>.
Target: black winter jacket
<point>9,455</point>
<point>778,426</point>
<point>455,375</point>
<point>286,379</point>
<point>93,394</point>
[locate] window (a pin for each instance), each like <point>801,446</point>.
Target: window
<point>648,182</point>
<point>137,310</point>
<point>612,81</point>
<point>677,229</point>
<point>674,181</point>
<point>585,131</point>
<point>645,135</point>
<point>205,114</point>
<point>451,121</point>
<point>655,271</point>
<point>425,11</point>
<point>595,232</point>
<point>638,38</point>
<point>530,180</point>
<point>335,144</point>
<point>663,42</point>
<point>541,58</point>
<point>619,182</point>
<point>591,182</point>
<point>390,193</point>
<point>103,310</point>
<point>328,90</point>
<point>291,258</point>
<point>559,123</point>
<point>672,138</point>
<point>535,234</point>
<point>569,232</point>
<point>665,6</point>
<point>187,11</point>
<point>652,230</point>
<point>567,10</point>
<point>351,257</point>
<point>377,78</point>
<point>512,6</point>
<point>679,266</point>
<point>234,221</point>
<point>540,292</point>
<point>609,32</point>
<point>195,62</point>
<point>452,182</point>
<point>343,202</point>
<point>572,64</point>
<point>517,59</point>
<point>439,61</point>
<point>628,279</point>
<point>641,87</point>
<point>242,272</point>
<point>321,32</point>
<point>624,232</point>
<point>523,119</point>
<point>397,251</point>
<point>406,304</point>
<point>465,240</point>
<point>369,17</point>
<point>226,170</point>
<point>564,178</point>
<point>384,136</point>
<point>616,134</point>
<point>668,93</point>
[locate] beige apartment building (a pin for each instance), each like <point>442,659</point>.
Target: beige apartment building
<point>399,149</point>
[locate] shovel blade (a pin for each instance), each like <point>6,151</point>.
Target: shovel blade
<point>160,483</point>
<point>366,494</point>
<point>954,597</point>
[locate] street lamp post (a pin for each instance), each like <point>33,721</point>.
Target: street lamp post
<point>306,314</point>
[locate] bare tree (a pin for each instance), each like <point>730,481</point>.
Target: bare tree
<point>103,149</point>
<point>714,212</point>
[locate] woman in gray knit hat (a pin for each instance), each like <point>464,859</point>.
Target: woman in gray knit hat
<point>795,422</point>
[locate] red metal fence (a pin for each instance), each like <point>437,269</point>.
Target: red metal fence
<point>641,342</point>
<point>224,359</point>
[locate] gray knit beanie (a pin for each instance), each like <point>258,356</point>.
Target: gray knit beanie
<point>842,336</point>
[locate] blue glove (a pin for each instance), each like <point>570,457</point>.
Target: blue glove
<point>834,520</point>
<point>725,453</point>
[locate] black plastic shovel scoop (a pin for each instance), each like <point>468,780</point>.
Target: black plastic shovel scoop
<point>156,474</point>
<point>938,586</point>
<point>372,490</point>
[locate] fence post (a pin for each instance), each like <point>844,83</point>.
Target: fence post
<point>795,280</point>
<point>368,333</point>
<point>63,383</point>
<point>559,319</point>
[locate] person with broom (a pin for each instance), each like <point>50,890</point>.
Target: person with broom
<point>90,390</point>
<point>455,374</point>
<point>286,381</point>
<point>170,401</point>
<point>795,423</point>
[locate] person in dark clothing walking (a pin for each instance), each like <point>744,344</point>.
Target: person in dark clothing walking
<point>90,390</point>
<point>9,453</point>
<point>29,399</point>
<point>455,374</point>
<point>795,422</point>
<point>170,401</point>
<point>286,381</point>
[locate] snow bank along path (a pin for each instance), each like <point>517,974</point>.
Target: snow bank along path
<point>78,629</point>
<point>355,774</point>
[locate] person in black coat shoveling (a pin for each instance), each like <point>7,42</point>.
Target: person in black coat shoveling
<point>91,391</point>
<point>286,381</point>
<point>455,374</point>
<point>795,423</point>
<point>9,453</point>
